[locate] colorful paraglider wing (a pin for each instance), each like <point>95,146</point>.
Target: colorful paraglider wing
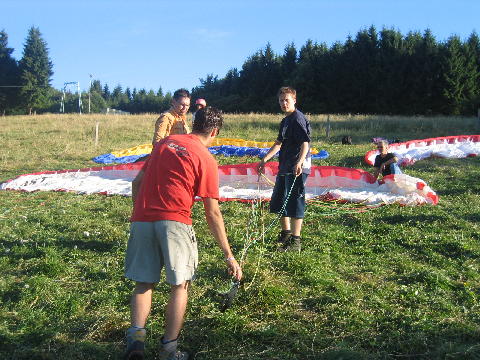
<point>329,182</point>
<point>108,180</point>
<point>220,146</point>
<point>125,156</point>
<point>241,182</point>
<point>231,150</point>
<point>111,159</point>
<point>232,147</point>
<point>409,152</point>
<point>322,154</point>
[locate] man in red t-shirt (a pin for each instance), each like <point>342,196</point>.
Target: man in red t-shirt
<point>179,169</point>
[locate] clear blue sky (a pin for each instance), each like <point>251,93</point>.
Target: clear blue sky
<point>148,44</point>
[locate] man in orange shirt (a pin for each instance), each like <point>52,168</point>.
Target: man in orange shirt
<point>174,121</point>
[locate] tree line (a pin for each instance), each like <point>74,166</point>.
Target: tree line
<point>382,72</point>
<point>375,72</point>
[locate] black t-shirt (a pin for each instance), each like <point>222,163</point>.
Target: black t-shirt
<point>379,161</point>
<point>294,131</point>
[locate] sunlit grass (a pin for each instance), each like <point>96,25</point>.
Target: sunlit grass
<point>394,283</point>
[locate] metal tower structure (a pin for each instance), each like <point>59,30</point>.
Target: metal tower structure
<point>62,103</point>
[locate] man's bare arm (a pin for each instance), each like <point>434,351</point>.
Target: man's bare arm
<point>217,227</point>
<point>273,150</point>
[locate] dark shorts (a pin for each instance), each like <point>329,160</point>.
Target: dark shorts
<point>296,203</point>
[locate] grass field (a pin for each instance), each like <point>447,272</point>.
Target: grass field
<point>392,283</point>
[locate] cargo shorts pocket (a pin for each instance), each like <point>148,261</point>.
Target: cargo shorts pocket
<point>193,260</point>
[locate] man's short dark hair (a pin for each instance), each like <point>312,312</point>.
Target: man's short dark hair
<point>181,93</point>
<point>287,90</point>
<point>207,119</point>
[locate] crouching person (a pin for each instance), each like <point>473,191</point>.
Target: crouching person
<point>179,169</point>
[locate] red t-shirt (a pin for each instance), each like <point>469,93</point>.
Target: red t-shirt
<point>179,168</point>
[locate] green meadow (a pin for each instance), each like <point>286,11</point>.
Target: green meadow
<point>391,283</point>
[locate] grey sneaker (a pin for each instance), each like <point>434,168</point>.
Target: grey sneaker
<point>169,351</point>
<point>135,343</point>
<point>178,355</point>
<point>292,244</point>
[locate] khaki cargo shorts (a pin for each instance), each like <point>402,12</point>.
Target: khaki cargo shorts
<point>161,244</point>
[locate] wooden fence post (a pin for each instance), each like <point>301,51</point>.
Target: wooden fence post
<point>96,133</point>
<point>327,129</point>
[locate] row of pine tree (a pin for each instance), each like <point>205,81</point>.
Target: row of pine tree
<point>382,72</point>
<point>373,73</point>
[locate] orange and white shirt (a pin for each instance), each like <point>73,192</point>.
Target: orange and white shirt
<point>170,123</point>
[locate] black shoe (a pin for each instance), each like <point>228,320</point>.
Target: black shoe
<point>292,244</point>
<point>283,237</point>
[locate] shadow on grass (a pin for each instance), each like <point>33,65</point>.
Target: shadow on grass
<point>410,342</point>
<point>12,295</point>
<point>228,336</point>
<point>49,342</point>
<point>40,245</point>
<point>413,219</point>
<point>474,218</point>
<point>451,250</point>
<point>53,349</point>
<point>93,245</point>
<point>455,250</point>
<point>347,220</point>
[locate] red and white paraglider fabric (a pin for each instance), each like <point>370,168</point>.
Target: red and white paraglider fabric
<point>409,152</point>
<point>240,182</point>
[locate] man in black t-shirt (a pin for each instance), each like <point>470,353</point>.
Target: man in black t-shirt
<point>293,141</point>
<point>385,162</point>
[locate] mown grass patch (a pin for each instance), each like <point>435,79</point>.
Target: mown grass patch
<point>395,282</point>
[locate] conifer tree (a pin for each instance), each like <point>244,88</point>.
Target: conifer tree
<point>98,103</point>
<point>128,93</point>
<point>471,50</point>
<point>117,97</point>
<point>389,71</point>
<point>96,87</point>
<point>230,84</point>
<point>288,63</point>
<point>9,76</point>
<point>335,85</point>
<point>410,99</point>
<point>309,74</point>
<point>259,80</point>
<point>365,70</point>
<point>35,72</point>
<point>106,93</point>
<point>430,72</point>
<point>453,76</point>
